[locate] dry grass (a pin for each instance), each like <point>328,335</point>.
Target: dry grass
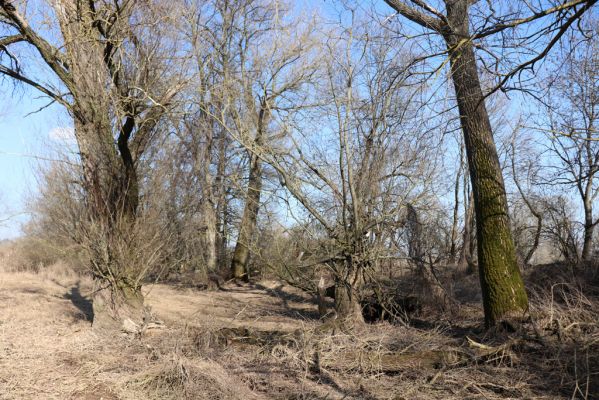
<point>265,342</point>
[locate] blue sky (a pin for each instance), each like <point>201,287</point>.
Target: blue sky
<point>23,138</point>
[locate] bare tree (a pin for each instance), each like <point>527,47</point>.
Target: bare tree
<point>573,116</point>
<point>357,162</point>
<point>504,296</point>
<point>260,62</point>
<point>525,171</point>
<point>109,61</point>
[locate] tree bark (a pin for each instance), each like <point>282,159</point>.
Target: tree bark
<point>210,226</point>
<point>249,220</point>
<point>504,295</point>
<point>109,171</point>
<point>465,263</point>
<point>347,300</point>
<point>589,228</point>
<point>221,202</point>
<point>453,250</point>
<point>112,307</point>
<point>241,256</point>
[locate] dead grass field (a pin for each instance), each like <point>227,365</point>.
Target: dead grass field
<point>264,341</point>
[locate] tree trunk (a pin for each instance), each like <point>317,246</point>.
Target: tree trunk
<point>117,306</point>
<point>126,196</point>
<point>347,301</point>
<point>210,226</point>
<point>589,227</point>
<point>453,251</point>
<point>249,220</point>
<point>221,202</point>
<point>504,296</point>
<point>241,256</point>
<point>465,262</point>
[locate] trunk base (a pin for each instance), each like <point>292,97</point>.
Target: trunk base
<point>347,306</point>
<point>118,309</point>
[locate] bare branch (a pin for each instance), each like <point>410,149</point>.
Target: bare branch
<point>416,16</point>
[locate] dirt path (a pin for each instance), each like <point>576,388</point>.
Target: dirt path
<point>48,350</point>
<point>268,305</point>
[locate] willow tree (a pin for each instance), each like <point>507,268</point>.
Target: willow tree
<point>256,70</point>
<point>355,160</point>
<point>107,60</point>
<point>461,30</point>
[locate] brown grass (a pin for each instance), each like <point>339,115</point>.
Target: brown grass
<point>264,341</point>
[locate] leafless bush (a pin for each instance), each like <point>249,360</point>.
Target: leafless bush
<point>126,250</point>
<point>33,254</point>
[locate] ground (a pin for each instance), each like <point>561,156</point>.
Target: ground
<point>264,341</point>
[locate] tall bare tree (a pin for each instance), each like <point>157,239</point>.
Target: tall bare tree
<point>260,62</point>
<point>109,62</point>
<point>503,290</point>
<point>351,166</point>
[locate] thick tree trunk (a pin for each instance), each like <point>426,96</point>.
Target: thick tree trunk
<point>111,187</point>
<point>347,300</point>
<point>504,296</point>
<point>117,306</point>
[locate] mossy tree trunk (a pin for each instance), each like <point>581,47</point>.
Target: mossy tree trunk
<point>504,295</point>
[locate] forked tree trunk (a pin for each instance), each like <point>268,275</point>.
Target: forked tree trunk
<point>109,172</point>
<point>85,65</point>
<point>110,185</point>
<point>504,295</point>
<point>249,220</point>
